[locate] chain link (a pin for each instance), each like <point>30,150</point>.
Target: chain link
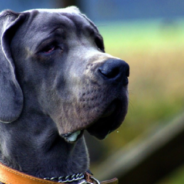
<point>70,178</point>
<point>65,179</point>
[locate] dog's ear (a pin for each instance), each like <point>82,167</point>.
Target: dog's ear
<point>11,97</point>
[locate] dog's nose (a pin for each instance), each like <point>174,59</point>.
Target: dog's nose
<point>114,70</point>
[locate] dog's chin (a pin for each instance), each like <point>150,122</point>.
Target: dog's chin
<point>111,119</point>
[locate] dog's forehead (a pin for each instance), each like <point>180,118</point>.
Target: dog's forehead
<point>68,17</point>
<point>71,9</point>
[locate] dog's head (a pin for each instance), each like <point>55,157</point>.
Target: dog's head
<point>62,69</point>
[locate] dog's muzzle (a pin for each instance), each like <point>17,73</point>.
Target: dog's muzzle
<point>113,76</point>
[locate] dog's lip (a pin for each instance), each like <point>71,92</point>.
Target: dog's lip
<point>106,124</point>
<point>110,109</point>
<point>110,112</point>
<point>72,137</point>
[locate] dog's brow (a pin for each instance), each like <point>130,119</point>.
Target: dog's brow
<point>59,27</point>
<point>50,36</point>
<point>90,22</point>
<point>90,30</point>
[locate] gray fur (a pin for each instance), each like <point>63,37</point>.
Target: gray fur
<point>55,78</point>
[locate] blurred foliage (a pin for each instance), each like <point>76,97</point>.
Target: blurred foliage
<point>175,178</point>
<point>154,51</point>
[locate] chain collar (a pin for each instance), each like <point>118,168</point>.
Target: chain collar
<point>65,179</point>
<point>79,178</point>
<point>12,176</point>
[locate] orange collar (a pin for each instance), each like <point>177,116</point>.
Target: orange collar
<point>12,176</point>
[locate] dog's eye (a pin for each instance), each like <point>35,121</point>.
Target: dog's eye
<point>99,43</point>
<point>50,48</point>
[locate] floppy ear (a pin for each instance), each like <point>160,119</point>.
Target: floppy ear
<point>11,97</point>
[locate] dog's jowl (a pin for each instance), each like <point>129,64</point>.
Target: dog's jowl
<point>56,81</point>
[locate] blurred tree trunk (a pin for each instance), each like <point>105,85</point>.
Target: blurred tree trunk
<point>65,3</point>
<point>69,2</point>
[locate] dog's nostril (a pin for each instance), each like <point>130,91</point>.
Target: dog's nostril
<point>109,72</point>
<point>114,69</point>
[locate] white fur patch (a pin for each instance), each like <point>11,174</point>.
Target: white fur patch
<point>71,9</point>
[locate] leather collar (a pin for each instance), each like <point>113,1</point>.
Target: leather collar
<point>12,176</point>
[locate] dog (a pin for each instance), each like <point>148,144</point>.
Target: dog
<point>56,81</point>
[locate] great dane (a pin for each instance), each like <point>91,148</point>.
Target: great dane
<point>56,81</point>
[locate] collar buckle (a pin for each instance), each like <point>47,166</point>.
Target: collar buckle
<point>83,181</point>
<point>97,182</point>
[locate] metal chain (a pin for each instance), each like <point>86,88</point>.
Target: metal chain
<point>69,178</point>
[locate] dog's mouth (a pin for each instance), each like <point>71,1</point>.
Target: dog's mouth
<point>108,122</point>
<point>73,136</point>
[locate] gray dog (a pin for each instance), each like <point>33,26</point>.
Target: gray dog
<point>56,81</point>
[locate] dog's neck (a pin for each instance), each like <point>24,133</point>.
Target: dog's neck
<point>32,145</point>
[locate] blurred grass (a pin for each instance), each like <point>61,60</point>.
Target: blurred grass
<point>175,178</point>
<point>154,51</point>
